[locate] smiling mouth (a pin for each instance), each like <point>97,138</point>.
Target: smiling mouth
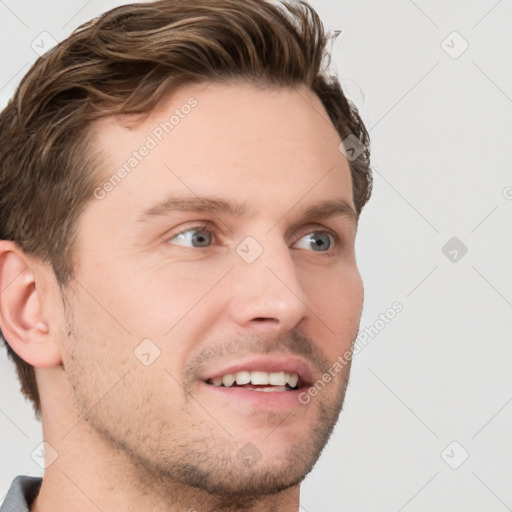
<point>258,381</point>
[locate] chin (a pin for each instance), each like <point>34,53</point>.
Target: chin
<point>244,476</point>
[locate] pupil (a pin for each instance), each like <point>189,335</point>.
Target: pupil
<point>322,241</point>
<point>201,240</point>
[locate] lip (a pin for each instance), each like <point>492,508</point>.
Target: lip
<point>288,364</point>
<point>245,400</point>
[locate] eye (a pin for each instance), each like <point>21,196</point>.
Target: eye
<point>319,241</point>
<point>198,236</point>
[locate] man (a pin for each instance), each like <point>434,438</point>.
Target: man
<point>180,289</point>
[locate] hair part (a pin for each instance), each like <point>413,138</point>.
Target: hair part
<point>125,62</point>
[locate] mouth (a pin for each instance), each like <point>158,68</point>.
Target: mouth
<point>276,375</point>
<point>262,383</point>
<point>257,380</point>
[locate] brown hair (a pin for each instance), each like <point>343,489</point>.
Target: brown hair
<point>125,62</point>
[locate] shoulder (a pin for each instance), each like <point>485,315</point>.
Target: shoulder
<point>21,493</point>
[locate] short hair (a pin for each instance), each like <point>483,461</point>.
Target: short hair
<point>124,62</point>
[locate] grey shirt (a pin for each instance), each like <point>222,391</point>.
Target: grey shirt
<point>21,494</point>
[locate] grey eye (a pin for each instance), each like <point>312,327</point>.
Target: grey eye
<point>193,237</point>
<point>315,241</point>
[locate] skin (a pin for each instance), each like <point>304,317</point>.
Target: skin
<point>156,437</point>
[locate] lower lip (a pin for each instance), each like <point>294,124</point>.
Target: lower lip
<point>282,400</point>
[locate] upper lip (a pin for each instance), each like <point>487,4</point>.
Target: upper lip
<point>288,364</point>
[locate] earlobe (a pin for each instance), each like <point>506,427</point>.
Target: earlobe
<point>21,317</point>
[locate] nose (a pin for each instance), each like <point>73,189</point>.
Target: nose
<point>266,292</point>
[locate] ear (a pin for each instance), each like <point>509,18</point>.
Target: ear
<point>21,314</point>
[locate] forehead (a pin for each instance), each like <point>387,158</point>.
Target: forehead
<point>234,140</point>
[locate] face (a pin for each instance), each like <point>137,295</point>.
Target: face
<point>216,282</point>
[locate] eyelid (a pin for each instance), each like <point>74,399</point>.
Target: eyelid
<point>307,230</point>
<point>192,227</point>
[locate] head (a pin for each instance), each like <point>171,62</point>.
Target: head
<point>173,183</point>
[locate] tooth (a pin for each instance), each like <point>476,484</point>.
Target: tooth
<point>259,378</point>
<point>277,378</point>
<point>243,378</point>
<point>273,389</point>
<point>228,380</point>
<point>292,379</point>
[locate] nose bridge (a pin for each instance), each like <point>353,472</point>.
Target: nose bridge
<point>267,286</point>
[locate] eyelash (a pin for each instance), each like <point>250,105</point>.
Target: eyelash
<point>207,228</point>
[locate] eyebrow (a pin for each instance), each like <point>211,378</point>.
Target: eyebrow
<point>331,208</point>
<point>196,205</point>
<point>324,209</point>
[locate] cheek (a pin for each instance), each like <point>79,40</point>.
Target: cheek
<point>170,298</point>
<point>106,364</point>
<point>336,298</point>
<point>148,301</point>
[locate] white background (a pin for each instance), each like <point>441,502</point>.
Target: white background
<point>440,370</point>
